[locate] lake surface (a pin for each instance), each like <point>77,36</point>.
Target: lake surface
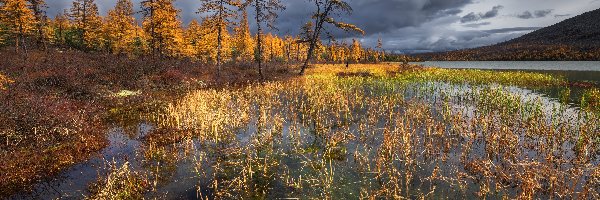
<point>519,65</point>
<point>571,70</point>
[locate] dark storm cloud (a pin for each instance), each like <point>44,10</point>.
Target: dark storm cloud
<point>472,17</point>
<point>535,14</point>
<point>375,16</point>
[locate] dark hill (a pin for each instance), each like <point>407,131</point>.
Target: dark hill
<point>577,38</point>
<point>582,30</point>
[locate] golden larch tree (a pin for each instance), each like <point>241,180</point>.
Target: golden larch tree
<point>220,13</point>
<point>243,44</point>
<point>355,51</point>
<point>265,12</point>
<point>120,28</point>
<point>87,21</point>
<point>19,19</point>
<point>59,26</point>
<point>41,21</point>
<point>161,23</point>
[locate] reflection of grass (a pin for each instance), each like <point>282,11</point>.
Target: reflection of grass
<point>314,134</point>
<point>120,183</point>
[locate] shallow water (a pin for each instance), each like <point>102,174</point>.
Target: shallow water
<point>73,183</point>
<point>182,180</point>
<point>571,70</point>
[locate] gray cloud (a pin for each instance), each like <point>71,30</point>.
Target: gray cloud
<point>525,15</point>
<point>535,14</point>
<point>558,16</point>
<point>477,25</point>
<point>542,13</point>
<point>472,17</point>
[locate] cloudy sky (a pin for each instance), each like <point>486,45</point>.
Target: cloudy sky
<point>411,26</point>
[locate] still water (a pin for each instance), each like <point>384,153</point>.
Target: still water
<point>571,70</point>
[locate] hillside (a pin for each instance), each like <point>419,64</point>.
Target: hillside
<point>577,38</point>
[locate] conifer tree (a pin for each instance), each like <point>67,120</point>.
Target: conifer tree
<point>380,51</point>
<point>19,19</point>
<point>355,51</point>
<point>220,13</point>
<point>41,21</point>
<point>265,12</point>
<point>120,27</point>
<point>59,26</point>
<point>243,42</point>
<point>87,21</point>
<point>161,23</point>
<point>193,37</point>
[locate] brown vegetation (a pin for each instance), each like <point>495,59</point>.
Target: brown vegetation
<point>53,110</point>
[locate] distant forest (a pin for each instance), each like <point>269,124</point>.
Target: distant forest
<point>223,36</point>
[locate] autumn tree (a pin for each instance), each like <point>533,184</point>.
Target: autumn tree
<point>87,21</point>
<point>41,21</point>
<point>19,20</point>
<point>120,27</point>
<point>380,51</point>
<point>325,10</point>
<point>355,51</point>
<point>193,36</point>
<point>201,39</point>
<point>243,42</point>
<point>220,13</point>
<point>59,26</point>
<point>265,12</point>
<point>161,23</point>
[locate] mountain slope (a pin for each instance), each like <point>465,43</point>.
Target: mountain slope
<point>577,38</point>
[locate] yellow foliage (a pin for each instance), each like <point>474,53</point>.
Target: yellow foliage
<point>243,43</point>
<point>201,38</point>
<point>164,28</point>
<point>18,18</point>
<point>4,81</point>
<point>84,14</point>
<point>120,27</point>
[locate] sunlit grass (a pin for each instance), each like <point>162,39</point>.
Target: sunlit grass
<point>373,131</point>
<point>120,183</point>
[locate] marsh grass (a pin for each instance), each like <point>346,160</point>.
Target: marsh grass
<point>119,183</point>
<point>400,132</point>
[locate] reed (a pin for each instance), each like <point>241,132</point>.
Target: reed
<point>375,131</point>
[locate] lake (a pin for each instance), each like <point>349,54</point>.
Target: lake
<point>571,70</point>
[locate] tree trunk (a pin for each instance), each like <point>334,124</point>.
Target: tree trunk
<point>219,48</point>
<point>259,39</point>
<point>308,56</point>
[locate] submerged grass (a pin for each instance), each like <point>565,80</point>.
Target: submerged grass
<point>374,131</point>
